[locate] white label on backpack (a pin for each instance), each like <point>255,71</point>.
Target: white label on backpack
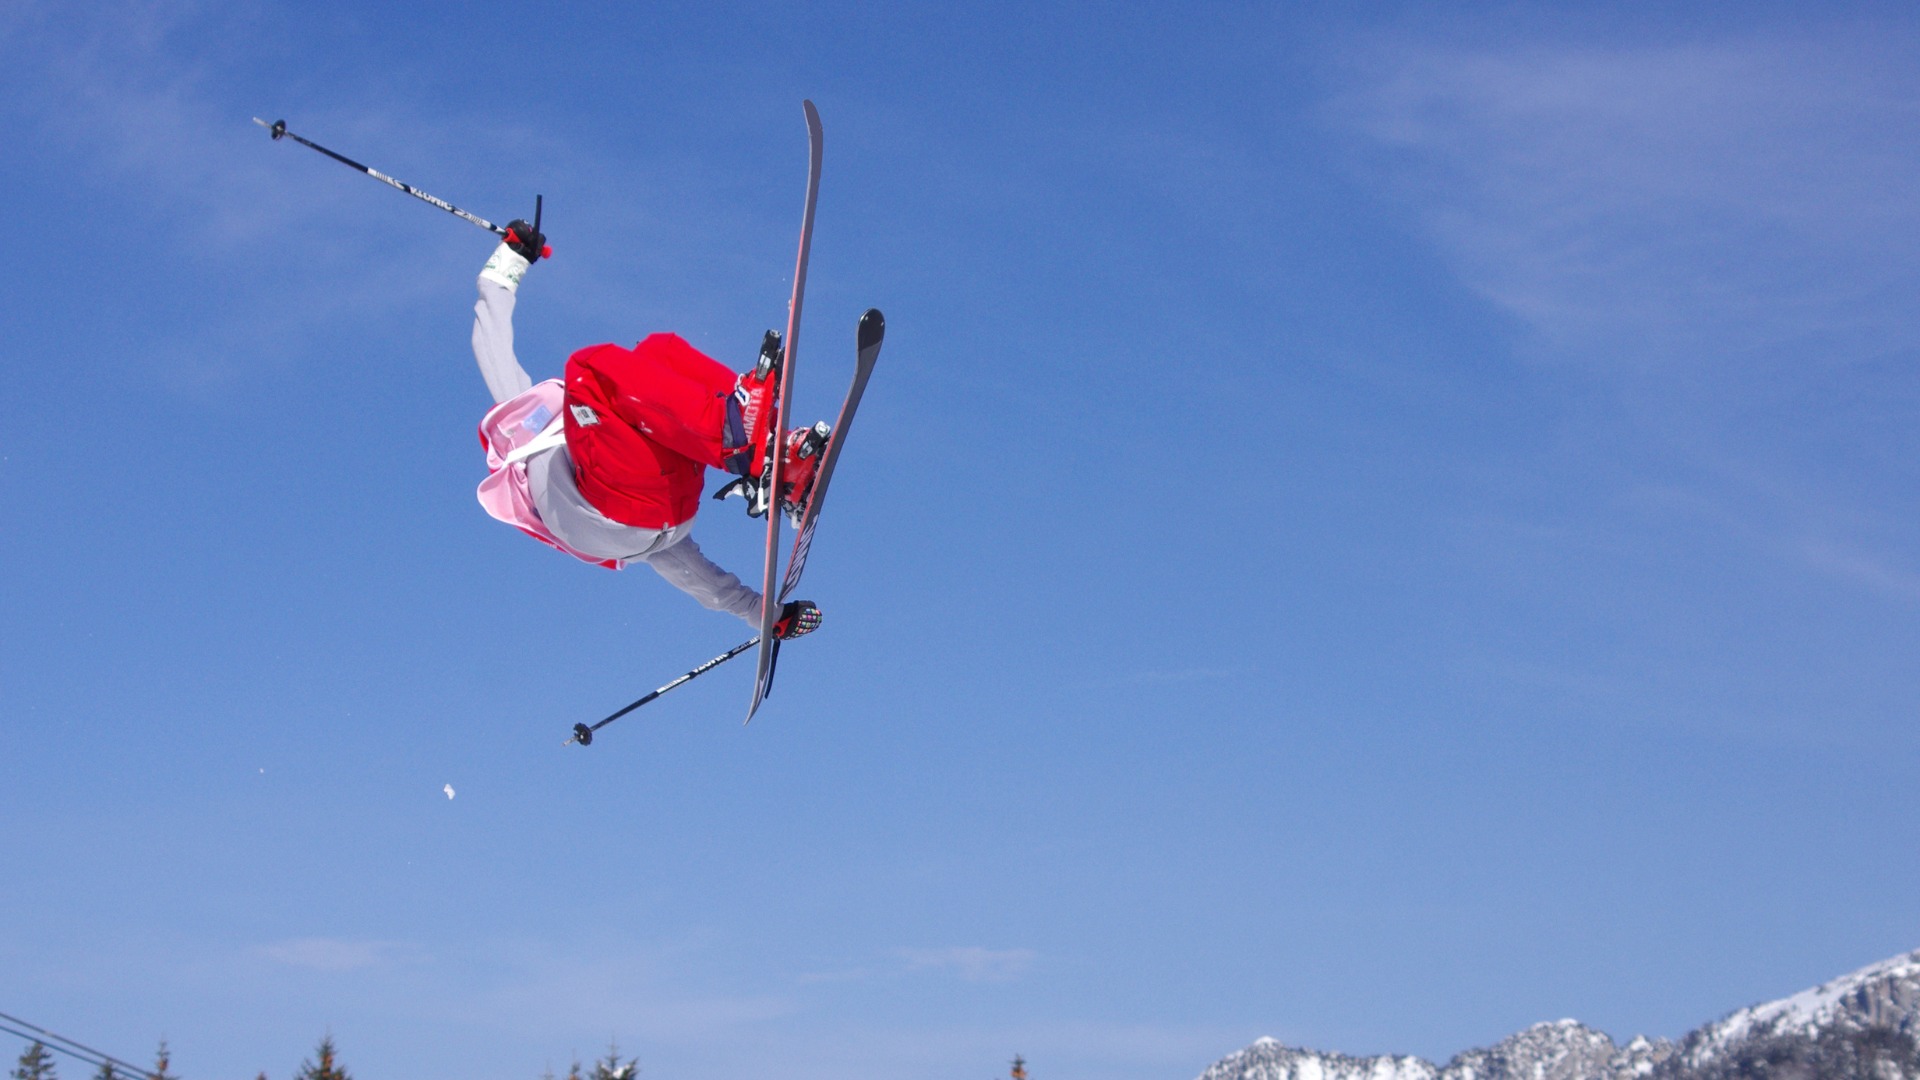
<point>584,416</point>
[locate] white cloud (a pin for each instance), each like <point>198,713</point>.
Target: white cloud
<point>971,962</point>
<point>1875,572</point>
<point>650,992</point>
<point>1712,239</point>
<point>1661,204</point>
<point>334,954</point>
<point>119,98</point>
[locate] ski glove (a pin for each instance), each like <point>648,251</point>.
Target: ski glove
<point>797,618</point>
<point>525,242</point>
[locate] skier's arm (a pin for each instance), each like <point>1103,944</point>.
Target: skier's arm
<point>493,314</point>
<point>693,573</point>
<point>493,326</point>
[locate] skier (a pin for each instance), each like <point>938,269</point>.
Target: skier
<point>609,465</point>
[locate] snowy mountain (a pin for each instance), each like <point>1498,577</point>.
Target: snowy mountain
<point>1560,1050</point>
<point>1865,1025</point>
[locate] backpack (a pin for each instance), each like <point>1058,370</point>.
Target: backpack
<point>513,431</point>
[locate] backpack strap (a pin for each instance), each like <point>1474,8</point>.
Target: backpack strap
<point>554,434</point>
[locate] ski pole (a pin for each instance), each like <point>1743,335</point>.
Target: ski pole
<point>583,734</point>
<point>279,128</point>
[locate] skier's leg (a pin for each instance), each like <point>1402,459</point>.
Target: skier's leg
<point>694,574</point>
<point>493,332</point>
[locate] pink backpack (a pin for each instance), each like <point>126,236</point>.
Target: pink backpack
<point>513,431</point>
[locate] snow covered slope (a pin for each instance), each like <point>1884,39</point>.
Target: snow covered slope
<point>1561,1050</point>
<point>1842,1017</point>
<point>1865,1025</point>
<point>1268,1059</point>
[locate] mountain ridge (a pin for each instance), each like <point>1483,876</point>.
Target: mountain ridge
<point>1864,1025</point>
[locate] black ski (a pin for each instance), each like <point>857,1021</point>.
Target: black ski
<point>873,330</point>
<point>778,415</point>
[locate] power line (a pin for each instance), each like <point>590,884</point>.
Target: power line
<point>72,1049</point>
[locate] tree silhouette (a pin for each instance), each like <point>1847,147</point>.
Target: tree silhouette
<point>162,1058</point>
<point>36,1063</point>
<point>326,1068</point>
<point>609,1067</point>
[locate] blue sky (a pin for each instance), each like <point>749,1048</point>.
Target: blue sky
<point>1375,526</point>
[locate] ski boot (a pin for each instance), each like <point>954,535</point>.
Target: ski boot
<point>749,406</point>
<point>798,466</point>
<point>799,463</point>
<point>797,618</point>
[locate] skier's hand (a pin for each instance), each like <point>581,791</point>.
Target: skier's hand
<point>525,242</point>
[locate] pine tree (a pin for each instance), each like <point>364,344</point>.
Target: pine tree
<point>162,1058</point>
<point>1019,1068</point>
<point>36,1063</point>
<point>327,1068</point>
<point>105,1072</point>
<point>609,1068</point>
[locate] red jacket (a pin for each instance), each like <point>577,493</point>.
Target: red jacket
<point>642,426</point>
